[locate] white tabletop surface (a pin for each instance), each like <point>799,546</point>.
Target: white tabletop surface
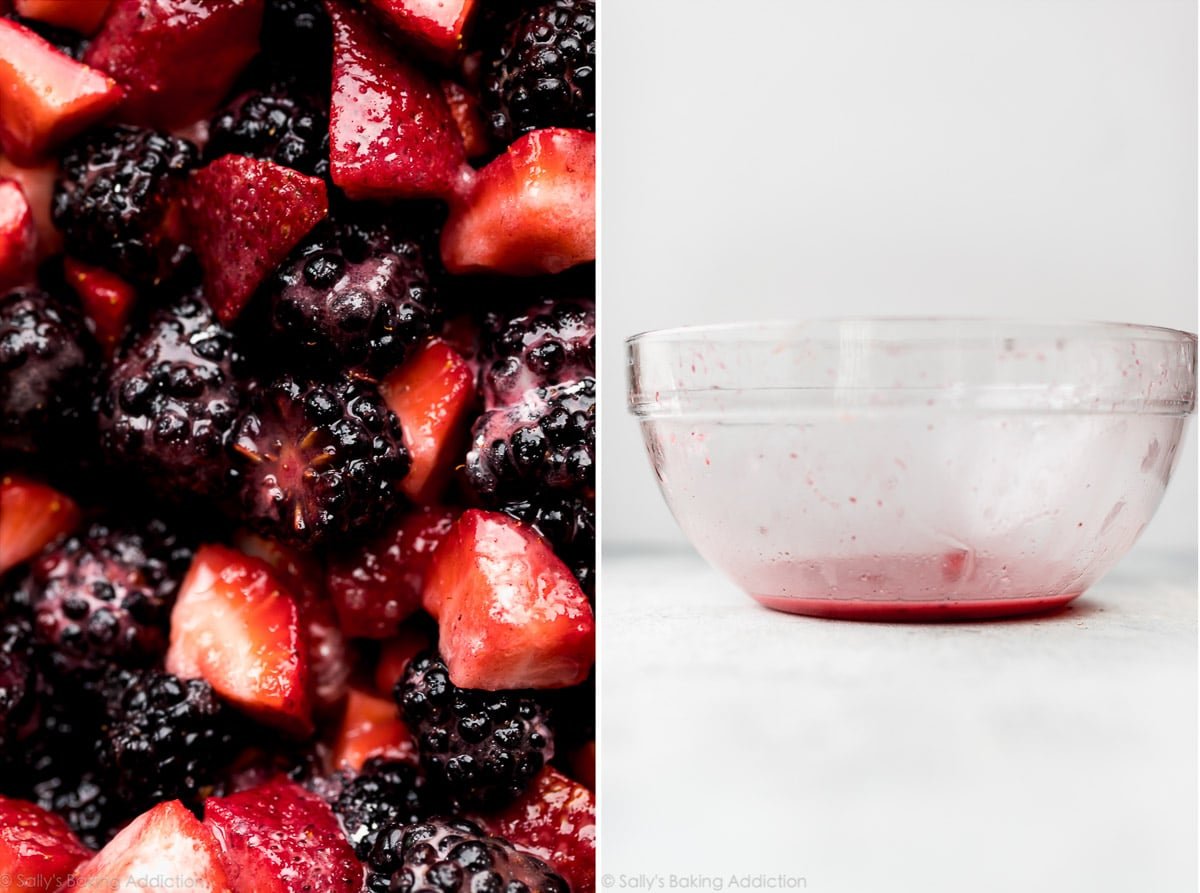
<point>1048,754</point>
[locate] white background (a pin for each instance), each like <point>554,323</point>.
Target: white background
<point>809,158</point>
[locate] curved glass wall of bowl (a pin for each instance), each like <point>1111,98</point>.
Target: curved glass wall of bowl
<point>913,469</point>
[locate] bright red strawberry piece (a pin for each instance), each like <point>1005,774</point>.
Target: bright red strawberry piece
<point>435,24</point>
<point>37,847</point>
<point>510,613</point>
<point>38,185</point>
<point>32,516</point>
<point>45,96</point>
<point>391,134</point>
<point>554,819</point>
<point>432,393</point>
<point>532,210</point>
<point>164,849</point>
<point>245,215</point>
<point>236,626</point>
<point>18,237</point>
<point>107,299</point>
<point>83,16</point>
<point>377,586</point>
<point>280,838</point>
<point>464,106</point>
<point>395,654</point>
<point>176,58</point>
<point>371,727</point>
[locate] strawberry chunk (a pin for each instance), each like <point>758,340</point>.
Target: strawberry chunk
<point>164,849</point>
<point>532,210</point>
<point>18,238</point>
<point>32,516</point>
<point>280,838</point>
<point>107,300</point>
<point>236,626</point>
<point>176,58</point>
<point>437,25</point>
<point>391,134</point>
<point>432,394</point>
<point>83,16</point>
<point>464,106</point>
<point>37,183</point>
<point>376,587</point>
<point>38,850</point>
<point>45,96</point>
<point>245,216</point>
<point>396,653</point>
<point>371,727</point>
<point>555,819</point>
<point>510,613</point>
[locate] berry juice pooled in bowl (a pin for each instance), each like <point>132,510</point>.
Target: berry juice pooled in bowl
<point>913,469</point>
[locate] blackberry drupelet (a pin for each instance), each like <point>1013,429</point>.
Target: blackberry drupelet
<point>355,296</point>
<point>172,398</point>
<point>114,199</point>
<point>552,342</point>
<point>287,129</point>
<point>48,362</point>
<point>318,460</point>
<point>454,856</point>
<point>478,748</point>
<point>384,792</point>
<point>543,72</point>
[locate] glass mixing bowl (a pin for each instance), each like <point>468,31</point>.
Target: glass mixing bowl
<point>915,469</point>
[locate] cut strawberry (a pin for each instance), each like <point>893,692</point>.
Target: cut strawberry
<point>436,25</point>
<point>83,16</point>
<point>432,393</point>
<point>391,134</point>
<point>45,96</point>
<point>107,299</point>
<point>38,850</point>
<point>18,238</point>
<point>236,626</point>
<point>510,613</point>
<point>532,210</point>
<point>377,586</point>
<point>554,819</point>
<point>32,516</point>
<point>38,185</point>
<point>464,106</point>
<point>395,654</point>
<point>176,58</point>
<point>371,727</point>
<point>583,765</point>
<point>245,216</point>
<point>280,838</point>
<point>164,849</point>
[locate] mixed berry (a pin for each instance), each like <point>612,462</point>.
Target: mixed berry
<point>297,445</point>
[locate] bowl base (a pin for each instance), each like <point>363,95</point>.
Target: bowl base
<point>930,611</point>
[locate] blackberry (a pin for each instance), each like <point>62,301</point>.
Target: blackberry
<point>172,399</point>
<point>454,856</point>
<point>18,686</point>
<point>543,72</point>
<point>478,748</point>
<point>318,459</point>
<point>355,295</point>
<point>114,199</point>
<point>568,523</point>
<point>47,366</point>
<point>554,341</point>
<point>546,442</point>
<point>272,125</point>
<point>384,792</point>
<point>297,42</point>
<point>105,596</point>
<point>164,738</point>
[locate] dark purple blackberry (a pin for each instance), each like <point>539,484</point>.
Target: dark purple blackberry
<point>355,295</point>
<point>286,129</point>
<point>71,43</point>
<point>478,748</point>
<point>568,523</point>
<point>454,856</point>
<point>384,792</point>
<point>297,42</point>
<point>47,367</point>
<point>105,596</point>
<point>554,341</point>
<point>546,442</point>
<point>172,398</point>
<point>18,686</point>
<point>543,72</point>
<point>114,199</point>
<point>318,460</point>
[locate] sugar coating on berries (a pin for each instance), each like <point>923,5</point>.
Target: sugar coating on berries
<point>543,72</point>
<point>552,342</point>
<point>283,127</point>
<point>384,792</point>
<point>114,196</point>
